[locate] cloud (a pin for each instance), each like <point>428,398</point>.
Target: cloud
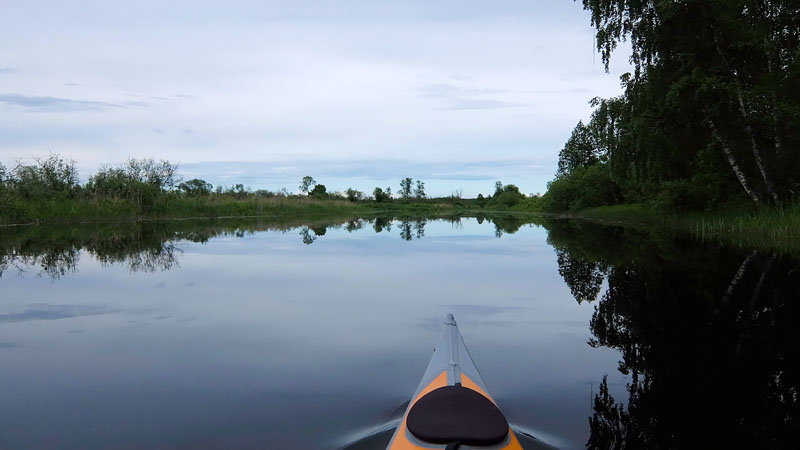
<point>480,310</point>
<point>7,70</point>
<point>440,90</point>
<point>45,311</point>
<point>54,104</point>
<point>476,103</point>
<point>462,98</point>
<point>8,345</point>
<point>33,103</point>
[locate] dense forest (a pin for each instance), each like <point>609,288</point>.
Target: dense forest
<point>709,117</point>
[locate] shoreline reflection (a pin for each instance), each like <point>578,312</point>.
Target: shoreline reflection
<point>706,335</point>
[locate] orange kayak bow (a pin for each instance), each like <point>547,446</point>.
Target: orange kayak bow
<point>451,408</point>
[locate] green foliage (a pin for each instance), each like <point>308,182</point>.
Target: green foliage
<point>195,187</point>
<point>160,174</point>
<point>585,187</point>
<point>530,204</point>
<point>354,195</point>
<point>51,177</point>
<point>48,191</point>
<point>505,197</point>
<point>710,113</point>
<point>580,150</point>
<point>560,194</point>
<point>406,186</point>
<point>306,184</point>
<point>319,192</point>
<point>337,196</point>
<point>419,190</point>
<point>381,196</point>
<point>139,180</point>
<point>265,193</point>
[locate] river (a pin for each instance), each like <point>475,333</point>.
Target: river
<point>313,334</point>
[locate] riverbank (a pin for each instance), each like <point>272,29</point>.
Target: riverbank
<point>83,210</point>
<point>766,229</point>
<point>772,229</point>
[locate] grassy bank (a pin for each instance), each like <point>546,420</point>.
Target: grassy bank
<point>49,190</point>
<point>772,229</point>
<point>169,206</point>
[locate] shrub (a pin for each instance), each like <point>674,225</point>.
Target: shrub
<point>319,192</point>
<point>195,188</point>
<point>585,187</point>
<point>380,195</point>
<point>506,196</point>
<point>48,177</point>
<point>354,195</point>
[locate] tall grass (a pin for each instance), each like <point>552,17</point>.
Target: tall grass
<point>776,229</point>
<point>16,210</point>
<point>770,229</point>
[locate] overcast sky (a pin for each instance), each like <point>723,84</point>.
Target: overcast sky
<point>354,93</point>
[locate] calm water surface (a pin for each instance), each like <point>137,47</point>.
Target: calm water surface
<point>252,334</point>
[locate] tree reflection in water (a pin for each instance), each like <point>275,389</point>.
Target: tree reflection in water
<point>381,223</point>
<point>150,246</point>
<point>54,251</point>
<point>707,335</point>
<point>411,228</point>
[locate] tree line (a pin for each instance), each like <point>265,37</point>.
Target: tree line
<point>709,116</point>
<point>50,188</point>
<point>409,190</point>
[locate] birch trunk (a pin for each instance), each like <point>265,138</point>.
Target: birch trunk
<point>762,169</point>
<point>738,277</point>
<point>733,163</point>
<point>747,127</point>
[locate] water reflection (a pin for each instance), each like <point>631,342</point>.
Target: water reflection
<point>54,251</point>
<point>706,334</point>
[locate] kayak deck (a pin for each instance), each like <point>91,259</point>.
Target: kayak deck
<point>455,419</point>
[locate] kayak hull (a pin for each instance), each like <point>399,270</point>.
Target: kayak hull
<point>451,365</point>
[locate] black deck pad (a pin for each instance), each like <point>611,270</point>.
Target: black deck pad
<point>455,413</point>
